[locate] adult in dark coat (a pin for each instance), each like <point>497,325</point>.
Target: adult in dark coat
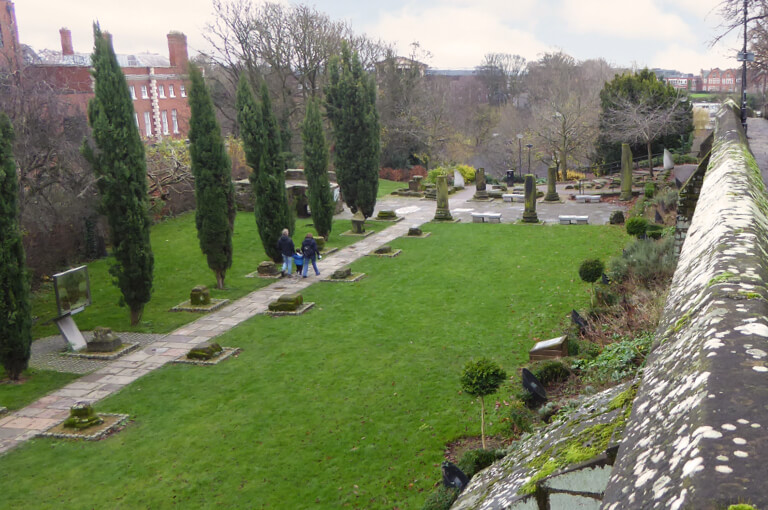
<point>287,249</point>
<point>311,252</point>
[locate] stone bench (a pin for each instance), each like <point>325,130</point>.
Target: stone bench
<point>573,220</point>
<point>486,217</point>
<point>587,198</point>
<point>513,197</point>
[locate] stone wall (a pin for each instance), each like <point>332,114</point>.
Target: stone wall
<point>697,434</point>
<point>687,198</point>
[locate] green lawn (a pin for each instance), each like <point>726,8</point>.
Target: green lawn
<point>179,266</point>
<point>350,405</point>
<point>35,384</point>
<point>386,187</point>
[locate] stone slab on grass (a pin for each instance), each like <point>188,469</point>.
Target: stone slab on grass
<point>256,274</point>
<point>354,277</point>
<point>112,422</point>
<point>393,220</point>
<point>350,233</point>
<point>106,356</point>
<point>225,353</point>
<point>389,255</point>
<point>186,306</point>
<point>303,308</point>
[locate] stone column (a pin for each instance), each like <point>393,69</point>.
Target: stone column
<point>626,172</point>
<point>551,195</point>
<point>480,193</point>
<point>358,222</point>
<point>443,213</point>
<point>529,215</point>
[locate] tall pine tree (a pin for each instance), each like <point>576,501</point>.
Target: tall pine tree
<point>15,314</point>
<point>263,153</point>
<point>316,170</point>
<point>120,163</point>
<point>214,191</point>
<point>351,108</point>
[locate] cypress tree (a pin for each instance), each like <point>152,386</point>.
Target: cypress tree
<point>15,314</point>
<point>316,170</point>
<point>263,153</point>
<point>214,192</point>
<point>120,163</point>
<point>351,108</point>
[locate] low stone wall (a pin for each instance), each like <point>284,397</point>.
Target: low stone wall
<point>698,433</point>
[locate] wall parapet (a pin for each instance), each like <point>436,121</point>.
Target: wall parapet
<point>698,433</point>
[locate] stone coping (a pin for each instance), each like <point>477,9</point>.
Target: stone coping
<point>278,313</point>
<point>106,356</point>
<point>395,220</point>
<point>354,277</point>
<point>186,306</point>
<point>226,352</point>
<point>385,255</point>
<point>349,233</point>
<point>106,428</point>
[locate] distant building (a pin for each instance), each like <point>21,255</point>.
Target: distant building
<point>157,84</point>
<point>721,80</point>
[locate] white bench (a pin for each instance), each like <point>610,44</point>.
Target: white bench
<point>513,197</point>
<point>587,198</point>
<point>486,217</point>
<point>571,220</point>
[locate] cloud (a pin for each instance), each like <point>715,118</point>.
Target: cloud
<point>457,33</point>
<point>690,60</point>
<point>626,19</point>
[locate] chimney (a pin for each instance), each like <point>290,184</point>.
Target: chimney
<point>177,50</point>
<point>66,41</point>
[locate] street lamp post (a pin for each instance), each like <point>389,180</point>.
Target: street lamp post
<point>529,145</point>
<point>744,75</point>
<point>520,152</point>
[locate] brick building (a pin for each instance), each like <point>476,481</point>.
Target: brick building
<point>157,84</point>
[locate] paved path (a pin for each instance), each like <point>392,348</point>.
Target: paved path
<point>112,376</point>
<point>757,134</point>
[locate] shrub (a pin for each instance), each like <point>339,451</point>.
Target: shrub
<point>550,371</point>
<point>521,418</point>
<point>441,499</point>
<point>591,269</point>
<point>435,173</point>
<point>617,218</point>
<point>480,378</point>
<point>571,175</point>
<point>467,172</point>
<point>654,231</point>
<point>604,296</point>
<point>474,461</point>
<point>618,360</point>
<point>666,200</point>
<point>649,190</point>
<point>637,226</point>
<point>647,261</point>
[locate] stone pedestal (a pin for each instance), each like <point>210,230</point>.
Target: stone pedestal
<point>358,223</point>
<point>529,215</point>
<point>104,340</point>
<point>480,192</point>
<point>626,172</point>
<point>200,295</point>
<point>552,195</point>
<point>443,212</point>
<point>267,268</point>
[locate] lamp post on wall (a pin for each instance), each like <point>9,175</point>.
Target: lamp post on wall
<point>529,145</point>
<point>743,56</point>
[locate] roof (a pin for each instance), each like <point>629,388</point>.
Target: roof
<point>55,58</point>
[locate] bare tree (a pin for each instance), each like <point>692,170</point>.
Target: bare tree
<point>645,120</point>
<point>732,13</point>
<point>502,74</point>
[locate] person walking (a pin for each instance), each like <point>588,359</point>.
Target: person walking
<point>311,252</point>
<point>287,249</point>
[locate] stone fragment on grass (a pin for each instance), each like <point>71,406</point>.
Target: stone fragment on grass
<point>200,295</point>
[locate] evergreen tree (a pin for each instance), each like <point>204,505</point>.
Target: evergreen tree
<point>15,314</point>
<point>263,153</point>
<point>316,170</point>
<point>120,163</point>
<point>351,108</point>
<point>214,191</point>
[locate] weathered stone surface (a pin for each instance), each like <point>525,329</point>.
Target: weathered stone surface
<point>480,188</point>
<point>415,231</point>
<point>669,162</point>
<point>458,179</point>
<point>443,213</point>
<point>204,351</point>
<point>267,268</point>
<point>529,214</point>
<point>287,303</point>
<point>552,195</point>
<point>342,273</point>
<point>200,295</point>
<point>386,215</point>
<point>383,249</point>
<point>358,223</point>
<point>626,172</point>
<point>687,198</point>
<point>696,437</point>
<point>104,340</point>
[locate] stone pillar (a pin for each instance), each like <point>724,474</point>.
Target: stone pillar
<point>443,212</point>
<point>551,195</point>
<point>358,223</point>
<point>626,172</point>
<point>529,215</point>
<point>480,193</point>
<point>669,161</point>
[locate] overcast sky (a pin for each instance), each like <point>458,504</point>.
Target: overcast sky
<point>671,34</point>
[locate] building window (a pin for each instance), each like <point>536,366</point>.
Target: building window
<point>147,124</point>
<point>136,118</point>
<point>133,92</point>
<point>161,91</point>
<point>183,91</point>
<point>164,119</point>
<point>171,91</point>
<point>175,120</point>
<point>144,94</point>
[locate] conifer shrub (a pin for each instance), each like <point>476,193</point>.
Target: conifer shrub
<point>637,226</point>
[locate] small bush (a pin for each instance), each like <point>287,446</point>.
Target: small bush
<point>637,226</point>
<point>617,361</point>
<point>666,200</point>
<point>474,461</point>
<point>441,499</point>
<point>604,296</point>
<point>435,173</point>
<point>617,218</point>
<point>649,190</point>
<point>654,231</point>
<point>645,260</point>
<point>550,371</point>
<point>591,270</point>
<point>572,175</point>
<point>467,172</point>
<point>521,418</point>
